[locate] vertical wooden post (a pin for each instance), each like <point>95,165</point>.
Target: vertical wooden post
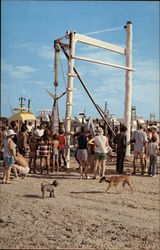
<point>128,85</point>
<point>57,50</point>
<point>69,95</point>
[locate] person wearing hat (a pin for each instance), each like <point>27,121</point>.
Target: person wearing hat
<point>155,134</point>
<point>9,156</point>
<point>101,144</point>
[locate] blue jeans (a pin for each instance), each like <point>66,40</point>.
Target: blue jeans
<point>153,165</point>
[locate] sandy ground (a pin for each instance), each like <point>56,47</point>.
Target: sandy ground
<point>81,215</point>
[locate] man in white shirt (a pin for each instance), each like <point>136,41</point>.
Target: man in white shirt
<point>139,138</point>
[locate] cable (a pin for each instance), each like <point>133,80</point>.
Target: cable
<point>63,72</point>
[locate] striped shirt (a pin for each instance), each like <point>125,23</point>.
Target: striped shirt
<point>44,148</point>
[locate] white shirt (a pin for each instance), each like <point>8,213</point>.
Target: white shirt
<point>152,148</point>
<point>140,137</point>
<point>100,141</point>
<point>7,151</point>
<point>39,132</point>
<point>29,128</point>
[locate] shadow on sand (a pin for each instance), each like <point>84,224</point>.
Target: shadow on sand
<point>33,196</point>
<point>88,192</point>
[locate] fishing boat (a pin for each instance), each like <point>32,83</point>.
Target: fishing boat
<point>22,114</point>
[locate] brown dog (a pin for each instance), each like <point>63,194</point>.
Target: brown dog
<point>115,180</point>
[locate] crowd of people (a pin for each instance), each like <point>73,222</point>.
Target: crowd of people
<point>92,151</point>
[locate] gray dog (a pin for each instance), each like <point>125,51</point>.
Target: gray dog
<point>49,188</point>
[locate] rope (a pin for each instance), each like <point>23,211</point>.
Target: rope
<point>63,72</point>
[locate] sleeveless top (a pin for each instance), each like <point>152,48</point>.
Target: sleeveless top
<point>61,139</point>
<point>82,142</point>
<point>100,141</point>
<point>7,151</point>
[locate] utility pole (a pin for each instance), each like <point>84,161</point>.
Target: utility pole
<point>69,94</point>
<point>128,85</point>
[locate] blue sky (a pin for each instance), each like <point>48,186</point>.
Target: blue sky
<point>28,31</point>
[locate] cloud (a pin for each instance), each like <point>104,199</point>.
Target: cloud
<point>146,71</point>
<point>40,83</point>
<point>8,70</point>
<point>46,52</point>
<point>103,31</point>
<point>105,83</point>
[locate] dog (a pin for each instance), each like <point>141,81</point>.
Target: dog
<point>115,180</point>
<point>49,188</point>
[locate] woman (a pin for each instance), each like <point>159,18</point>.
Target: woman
<point>101,144</point>
<point>9,156</point>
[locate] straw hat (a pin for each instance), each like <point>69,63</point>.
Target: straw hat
<point>10,132</point>
<point>154,127</point>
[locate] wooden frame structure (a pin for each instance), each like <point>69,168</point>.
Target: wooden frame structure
<point>73,37</point>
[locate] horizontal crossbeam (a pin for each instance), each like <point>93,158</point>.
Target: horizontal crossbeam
<point>100,44</point>
<point>103,63</point>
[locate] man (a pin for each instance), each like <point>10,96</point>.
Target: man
<point>120,141</point>
<point>139,138</point>
<point>82,154</point>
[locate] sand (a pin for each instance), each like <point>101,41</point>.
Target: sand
<point>81,215</point>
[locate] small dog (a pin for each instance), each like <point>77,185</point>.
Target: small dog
<point>49,188</point>
<point>115,180</point>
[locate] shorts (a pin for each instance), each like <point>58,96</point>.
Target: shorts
<point>33,154</point>
<point>55,156</point>
<point>138,152</point>
<point>22,170</point>
<point>8,161</point>
<point>82,155</point>
<point>100,156</point>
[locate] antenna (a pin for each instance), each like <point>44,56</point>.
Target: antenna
<point>29,104</point>
<point>21,101</point>
<point>10,105</point>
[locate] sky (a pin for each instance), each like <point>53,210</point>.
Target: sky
<point>28,31</point>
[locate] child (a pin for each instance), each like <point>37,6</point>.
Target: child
<point>55,145</point>
<point>44,151</point>
<point>153,150</point>
<point>62,142</point>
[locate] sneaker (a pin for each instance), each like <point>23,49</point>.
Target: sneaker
<point>153,175</point>
<point>81,177</point>
<point>94,178</point>
<point>87,177</point>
